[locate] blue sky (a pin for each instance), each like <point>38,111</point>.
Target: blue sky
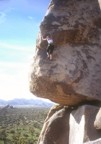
<point>19,26</point>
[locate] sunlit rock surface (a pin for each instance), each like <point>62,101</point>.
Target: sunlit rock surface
<point>56,127</point>
<point>81,125</point>
<point>97,122</point>
<point>73,78</point>
<point>65,125</point>
<point>74,74</point>
<point>98,141</point>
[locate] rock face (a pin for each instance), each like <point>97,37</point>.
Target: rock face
<point>73,77</point>
<point>56,127</point>
<point>74,74</point>
<point>82,125</point>
<point>97,122</point>
<point>94,142</point>
<point>68,126</point>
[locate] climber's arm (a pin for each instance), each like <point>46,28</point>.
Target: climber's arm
<point>43,38</point>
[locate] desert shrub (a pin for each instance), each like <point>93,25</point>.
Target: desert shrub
<point>1,142</point>
<point>2,135</point>
<point>12,131</point>
<point>21,125</point>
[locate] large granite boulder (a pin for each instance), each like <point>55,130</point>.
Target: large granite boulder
<point>74,74</point>
<point>65,125</point>
<point>81,125</point>
<point>56,127</point>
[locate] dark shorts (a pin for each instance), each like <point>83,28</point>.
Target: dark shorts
<point>50,48</point>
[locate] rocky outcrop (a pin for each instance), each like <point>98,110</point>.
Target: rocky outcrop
<point>74,74</point>
<point>70,126</point>
<point>73,78</point>
<point>56,127</point>
<point>82,125</point>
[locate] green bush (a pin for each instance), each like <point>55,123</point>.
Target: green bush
<point>21,125</point>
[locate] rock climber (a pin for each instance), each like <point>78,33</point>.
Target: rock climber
<point>50,46</point>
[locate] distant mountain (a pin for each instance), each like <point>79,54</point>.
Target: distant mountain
<point>26,102</point>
